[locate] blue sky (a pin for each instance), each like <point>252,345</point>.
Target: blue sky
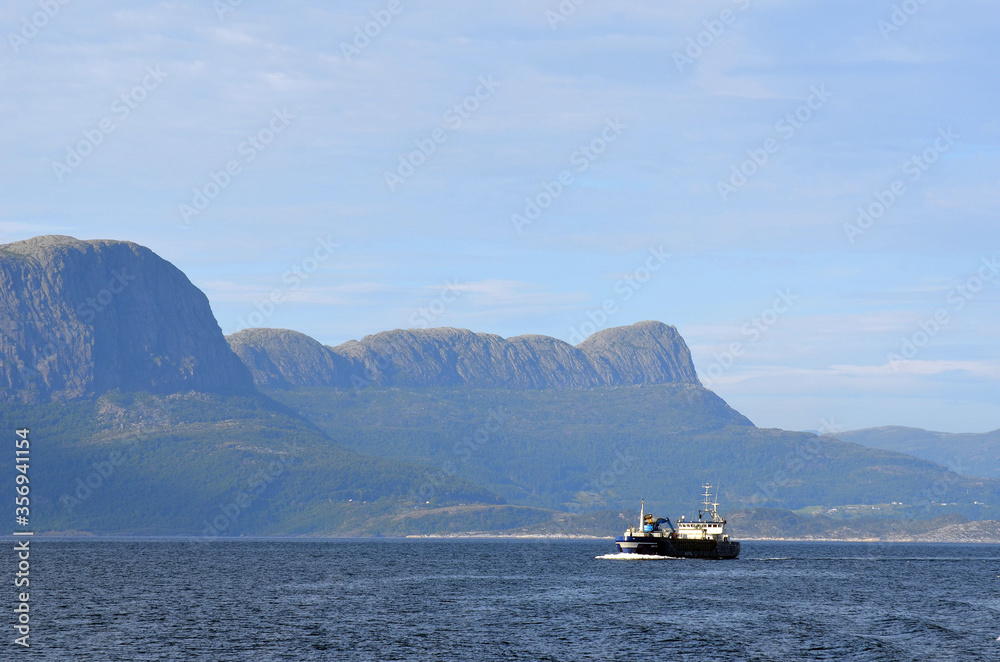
<point>626,123</point>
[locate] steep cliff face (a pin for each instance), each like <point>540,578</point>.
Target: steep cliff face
<point>644,353</point>
<point>79,318</point>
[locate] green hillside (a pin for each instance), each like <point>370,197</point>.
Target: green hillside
<point>386,461</point>
<point>976,454</point>
<point>187,464</point>
<point>605,448</point>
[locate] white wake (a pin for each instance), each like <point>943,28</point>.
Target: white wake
<point>636,557</point>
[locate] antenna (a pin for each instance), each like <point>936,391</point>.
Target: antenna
<point>706,500</point>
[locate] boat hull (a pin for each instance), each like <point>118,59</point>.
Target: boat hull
<point>677,547</point>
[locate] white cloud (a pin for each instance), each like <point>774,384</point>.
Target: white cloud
<point>512,293</point>
<point>985,369</point>
<point>304,293</point>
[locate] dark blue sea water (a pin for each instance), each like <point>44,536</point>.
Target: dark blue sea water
<point>506,600</point>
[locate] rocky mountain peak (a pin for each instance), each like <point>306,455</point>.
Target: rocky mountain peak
<point>644,352</point>
<point>80,318</point>
<point>648,352</point>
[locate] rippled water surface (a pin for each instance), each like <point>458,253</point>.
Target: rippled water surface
<point>508,600</point>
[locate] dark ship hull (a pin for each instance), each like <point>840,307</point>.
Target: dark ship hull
<point>677,547</point>
<point>704,538</point>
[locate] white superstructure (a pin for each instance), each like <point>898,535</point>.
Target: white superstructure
<point>713,529</point>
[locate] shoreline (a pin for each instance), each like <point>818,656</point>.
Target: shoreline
<point>474,535</point>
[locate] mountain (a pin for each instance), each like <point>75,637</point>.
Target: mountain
<point>643,353</point>
<point>149,423</point>
<point>145,420</point>
<point>286,359</point>
<point>976,454</point>
<point>579,450</point>
<point>203,464</point>
<point>81,318</point>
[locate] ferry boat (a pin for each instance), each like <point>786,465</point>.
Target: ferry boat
<point>704,539</point>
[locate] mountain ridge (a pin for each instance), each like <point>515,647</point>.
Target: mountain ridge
<point>647,352</point>
<point>153,422</point>
<point>968,453</point>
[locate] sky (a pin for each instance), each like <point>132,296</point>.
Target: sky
<point>807,191</point>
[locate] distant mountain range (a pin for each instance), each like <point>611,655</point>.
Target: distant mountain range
<point>147,420</point>
<point>644,353</point>
<point>965,453</point>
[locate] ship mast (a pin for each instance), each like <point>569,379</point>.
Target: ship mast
<point>711,506</point>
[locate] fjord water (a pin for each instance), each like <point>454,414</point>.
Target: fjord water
<point>384,599</point>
